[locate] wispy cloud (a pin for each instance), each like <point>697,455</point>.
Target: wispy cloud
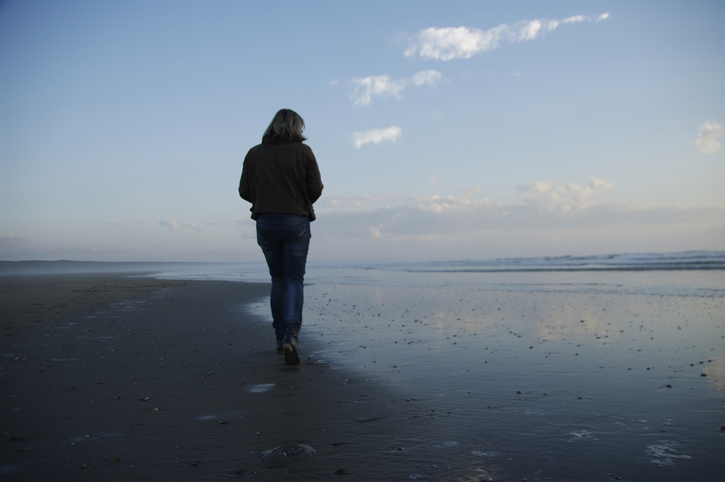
<point>538,197</point>
<point>12,241</point>
<point>707,142</point>
<point>551,217</point>
<point>363,90</point>
<point>434,179</point>
<point>174,225</point>
<point>375,86</point>
<point>376,136</point>
<point>170,223</point>
<point>450,43</point>
<point>425,77</point>
<point>353,202</point>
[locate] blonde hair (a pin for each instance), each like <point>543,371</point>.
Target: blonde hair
<point>286,126</point>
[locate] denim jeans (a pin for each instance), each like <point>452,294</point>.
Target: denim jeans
<point>285,240</point>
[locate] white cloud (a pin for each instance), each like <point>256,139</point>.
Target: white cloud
<point>563,199</point>
<point>426,77</point>
<point>375,86</point>
<point>366,88</point>
<point>449,43</point>
<point>574,19</point>
<point>438,204</point>
<point>376,136</point>
<point>707,139</point>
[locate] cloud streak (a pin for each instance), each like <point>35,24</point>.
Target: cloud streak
<point>450,43</point>
<point>174,225</point>
<point>550,215</point>
<point>12,241</point>
<point>707,142</point>
<point>563,199</point>
<point>376,136</point>
<point>364,90</point>
<point>539,197</point>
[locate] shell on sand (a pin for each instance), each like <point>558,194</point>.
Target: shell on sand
<point>285,454</point>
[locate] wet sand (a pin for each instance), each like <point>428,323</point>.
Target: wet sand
<point>139,379</point>
<point>556,376</point>
<point>104,375</point>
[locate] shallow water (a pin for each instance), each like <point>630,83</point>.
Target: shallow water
<point>547,376</point>
<point>538,375</point>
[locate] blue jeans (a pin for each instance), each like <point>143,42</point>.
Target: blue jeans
<point>285,240</point>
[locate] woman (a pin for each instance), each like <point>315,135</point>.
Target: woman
<point>281,179</point>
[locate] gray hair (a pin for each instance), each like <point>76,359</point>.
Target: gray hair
<point>286,126</point>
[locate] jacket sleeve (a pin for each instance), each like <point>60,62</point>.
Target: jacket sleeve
<point>314,180</point>
<point>245,191</point>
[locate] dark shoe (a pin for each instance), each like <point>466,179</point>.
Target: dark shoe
<point>289,347</point>
<point>280,348</point>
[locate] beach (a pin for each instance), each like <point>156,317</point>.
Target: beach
<point>404,376</point>
<point>135,378</point>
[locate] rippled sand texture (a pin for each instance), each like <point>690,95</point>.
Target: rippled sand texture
<point>545,384</point>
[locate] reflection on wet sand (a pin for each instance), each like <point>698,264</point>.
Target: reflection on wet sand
<point>539,376</point>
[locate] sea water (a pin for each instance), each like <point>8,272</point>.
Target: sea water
<point>568,368</point>
<point>588,368</point>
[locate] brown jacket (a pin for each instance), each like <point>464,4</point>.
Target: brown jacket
<point>281,178</point>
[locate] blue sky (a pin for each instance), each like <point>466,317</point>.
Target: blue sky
<point>443,130</point>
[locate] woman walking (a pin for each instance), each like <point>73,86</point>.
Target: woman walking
<point>281,179</point>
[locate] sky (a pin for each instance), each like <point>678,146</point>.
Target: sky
<point>444,130</point>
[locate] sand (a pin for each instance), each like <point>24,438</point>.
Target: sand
<point>138,379</point>
<point>131,378</point>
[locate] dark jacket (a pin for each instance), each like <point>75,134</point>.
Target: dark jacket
<point>281,178</point>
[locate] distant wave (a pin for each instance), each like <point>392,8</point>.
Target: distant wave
<point>687,260</point>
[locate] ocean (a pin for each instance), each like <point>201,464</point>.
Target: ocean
<point>564,368</point>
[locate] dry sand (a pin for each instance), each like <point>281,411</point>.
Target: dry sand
<point>136,379</point>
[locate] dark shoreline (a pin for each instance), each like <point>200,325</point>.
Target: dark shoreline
<point>69,267</point>
<point>137,378</point>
